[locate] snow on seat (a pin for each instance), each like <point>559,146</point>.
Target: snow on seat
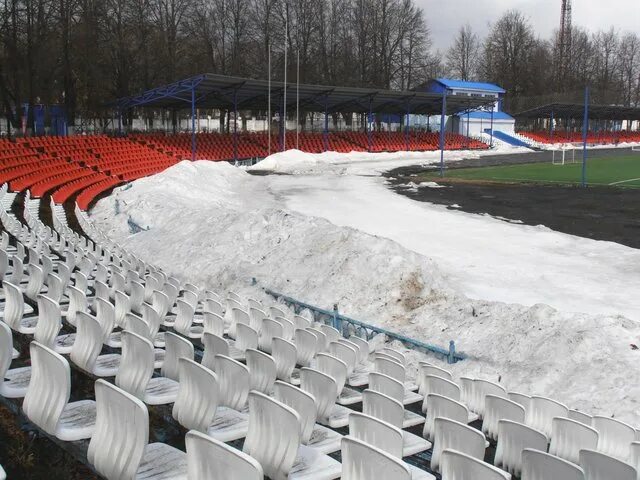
<point>362,461</point>
<point>580,417</point>
<point>177,347</point>
<point>85,352</point>
<point>312,434</point>
<point>449,434</point>
<point>15,309</point>
<point>136,371</point>
<point>184,321</point>
<point>231,422</point>
<point>541,413</point>
<point>119,447</point>
<point>499,408</point>
<point>284,354</point>
<point>49,325</point>
<point>269,329</point>
<point>392,387</point>
<point>14,382</point>
<point>324,389</point>
<point>262,371</point>
<point>273,423</point>
<point>395,370</point>
<point>539,465</point>
<point>46,402</point>
<point>513,438</point>
<point>482,388</point>
<point>306,345</point>
<point>568,437</point>
<point>459,466</point>
<point>443,407</point>
<point>521,398</point>
<point>382,435</point>
<point>337,369</point>
<point>208,458</point>
<point>615,437</point>
<point>390,410</point>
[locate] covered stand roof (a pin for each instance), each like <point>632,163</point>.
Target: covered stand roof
<point>576,110</point>
<point>222,92</point>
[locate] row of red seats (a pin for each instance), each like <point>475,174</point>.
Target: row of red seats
<point>593,138</point>
<point>62,194</point>
<point>87,195</point>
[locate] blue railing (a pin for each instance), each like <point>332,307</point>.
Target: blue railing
<point>349,326</point>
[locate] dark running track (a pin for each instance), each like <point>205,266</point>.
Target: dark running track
<point>600,213</point>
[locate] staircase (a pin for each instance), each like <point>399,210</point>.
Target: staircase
<point>506,138</point>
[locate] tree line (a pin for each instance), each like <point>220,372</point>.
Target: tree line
<point>85,53</point>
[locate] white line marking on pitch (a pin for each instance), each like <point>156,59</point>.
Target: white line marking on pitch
<point>625,181</point>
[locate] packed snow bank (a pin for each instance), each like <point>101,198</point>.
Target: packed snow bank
<point>219,227</point>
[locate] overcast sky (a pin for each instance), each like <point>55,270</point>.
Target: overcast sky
<point>445,17</point>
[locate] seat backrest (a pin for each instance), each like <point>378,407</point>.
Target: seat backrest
<point>14,305</point>
<point>276,312</point>
<point>456,465</point>
<point>88,342</point>
<point>246,337</point>
<point>376,432</point>
<point>303,403</point>
<point>333,367</point>
<point>102,289</point>
<point>49,321</point>
<point>208,458</point>
<point>54,287</point>
<point>274,424</point>
<point>81,281</point>
<point>213,345</point>
<point>18,270</point>
<point>160,302</point>
<point>521,398</point>
<point>581,417</point>
<point>306,343</point>
<point>136,364</point>
<point>236,315</point>
<point>362,461</point>
<point>322,387</point>
<point>615,437</point>
<point>425,369</point>
<point>332,335</point>
<point>213,323</point>
<point>457,436</point>
<point>568,437</point>
<point>122,307</point>
<point>482,388</point>
<point>634,455</point>
<point>270,328</point>
<point>321,339</point>
<point>539,465</point>
<point>397,355</point>
<point>36,280</point>
<point>49,387</point>
<point>385,384</point>
<point>382,406</point>
<point>288,328</point>
<point>152,318</point>
<point>499,408</point>
<point>466,391</point>
<point>176,347</point>
<point>233,378</point>
<point>439,386</point>
<point>256,316</point>
<point>390,367</point>
<point>6,349</point>
<point>284,354</point>
<point>214,306</point>
<point>346,353</point>
<point>121,433</point>
<point>77,303</point>
<point>513,438</point>
<point>136,324</point>
<point>444,407</point>
<point>184,317</point>
<point>301,322</point>
<point>262,370</point>
<point>541,413</point>
<point>106,316</point>
<point>198,396</point>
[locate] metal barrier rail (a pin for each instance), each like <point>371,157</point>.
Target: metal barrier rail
<point>365,330</point>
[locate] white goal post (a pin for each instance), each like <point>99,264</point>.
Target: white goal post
<point>564,154</point>
<point>636,149</point>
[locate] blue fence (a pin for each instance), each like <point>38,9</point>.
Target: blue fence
<point>349,326</point>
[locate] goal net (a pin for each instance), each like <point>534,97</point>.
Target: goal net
<point>565,154</point>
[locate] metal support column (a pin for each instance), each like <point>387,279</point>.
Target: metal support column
<point>193,124</point>
<point>468,117</point>
<point>119,122</point>
<point>281,132</point>
<point>585,131</point>
<point>551,127</point>
<point>325,133</point>
<point>406,130</point>
<point>442,127</point>
<point>370,120</point>
<point>491,144</point>
<point>235,125</point>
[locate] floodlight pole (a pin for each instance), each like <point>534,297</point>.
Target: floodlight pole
<point>284,102</point>
<point>325,133</point>
<point>585,131</point>
<point>442,123</point>
<point>269,102</point>
<point>193,123</point>
<point>369,134</point>
<point>298,100</point>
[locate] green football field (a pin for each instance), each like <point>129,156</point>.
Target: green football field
<point>621,171</point>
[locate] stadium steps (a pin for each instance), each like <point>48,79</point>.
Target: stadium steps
<point>509,139</point>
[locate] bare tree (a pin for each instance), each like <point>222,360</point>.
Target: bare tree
<point>462,57</point>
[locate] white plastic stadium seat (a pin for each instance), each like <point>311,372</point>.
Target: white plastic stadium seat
<point>599,466</point>
<point>177,347</point>
<point>568,437</point>
<point>198,396</point>
<point>49,325</point>
<point>262,371</point>
<point>450,434</point>
<point>615,437</point>
<point>361,461</point>
<point>580,417</point>
<point>119,447</point>
<point>500,408</point>
<point>513,439</point>
<point>459,466</point>
<point>542,411</point>
<point>634,456</point>
<point>482,388</point>
<point>208,458</point>
<point>521,398</point>
<point>306,343</point>
<point>323,388</point>
<point>184,321</point>
<point>14,382</point>
<point>85,352</point>
<point>46,402</point>
<point>425,369</point>
<point>444,407</point>
<point>337,369</point>
<point>15,309</point>
<point>392,387</point>
<point>230,423</point>
<point>284,354</point>
<point>538,465</point>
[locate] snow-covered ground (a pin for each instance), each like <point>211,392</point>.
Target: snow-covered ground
<point>543,312</point>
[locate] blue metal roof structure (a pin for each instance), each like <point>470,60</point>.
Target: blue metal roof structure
<point>464,85</point>
<point>479,115</point>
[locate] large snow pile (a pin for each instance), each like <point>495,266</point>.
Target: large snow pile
<point>220,227</point>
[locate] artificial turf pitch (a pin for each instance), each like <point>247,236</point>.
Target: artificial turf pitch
<point>616,172</point>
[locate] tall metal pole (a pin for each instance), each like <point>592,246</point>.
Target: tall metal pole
<point>269,103</point>
<point>193,124</point>
<point>325,133</point>
<point>406,130</point>
<point>551,128</point>
<point>298,96</point>
<point>585,131</point>
<point>286,36</point>
<point>442,127</point>
<point>370,120</point>
<point>235,125</point>
<point>491,144</point>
